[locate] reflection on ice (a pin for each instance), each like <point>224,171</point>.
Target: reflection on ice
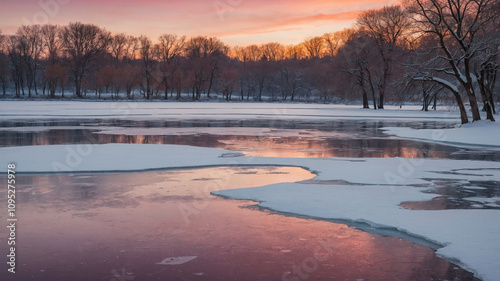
<point>276,139</point>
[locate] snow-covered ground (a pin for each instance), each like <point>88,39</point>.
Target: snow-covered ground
<point>377,187</point>
<point>211,111</point>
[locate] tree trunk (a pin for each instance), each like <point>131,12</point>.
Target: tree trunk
<point>78,83</point>
<point>166,89</point>
<point>425,105</point>
<point>211,82</point>
<point>473,106</point>
<point>463,112</point>
<point>34,81</point>
<point>242,92</point>
<point>372,88</point>
<point>365,95</point>
<point>486,101</point>
<point>461,106</point>
<point>386,74</point>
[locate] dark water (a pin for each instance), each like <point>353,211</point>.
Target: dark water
<point>355,139</point>
<point>461,195</point>
<point>120,226</point>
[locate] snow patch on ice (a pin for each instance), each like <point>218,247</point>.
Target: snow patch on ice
<point>479,133</point>
<point>177,260</point>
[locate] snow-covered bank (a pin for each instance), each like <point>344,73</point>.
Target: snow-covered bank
<point>211,111</point>
<point>481,133</point>
<point>471,237</point>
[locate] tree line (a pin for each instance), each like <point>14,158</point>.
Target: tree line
<point>419,50</point>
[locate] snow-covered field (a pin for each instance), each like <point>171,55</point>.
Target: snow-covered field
<point>211,111</point>
<point>374,187</point>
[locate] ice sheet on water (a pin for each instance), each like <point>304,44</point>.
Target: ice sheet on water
<point>177,260</point>
<point>232,155</point>
<point>479,133</point>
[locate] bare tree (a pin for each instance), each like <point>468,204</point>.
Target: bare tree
<point>388,28</point>
<point>291,76</point>
<point>295,52</point>
<point>273,51</point>
<point>254,53</point>
<point>16,63</point>
<point>4,63</point>
<point>106,77</point>
<point>146,55</point>
<point>228,80</point>
<point>459,26</point>
<point>118,46</point>
<point>30,46</point>
<point>82,44</point>
<point>168,48</point>
<point>55,75</point>
<point>314,47</point>
<point>131,48</point>
<point>486,65</point>
<point>261,74</point>
<point>358,58</point>
<point>332,42</point>
<point>206,54</point>
<point>51,42</point>
<point>130,78</point>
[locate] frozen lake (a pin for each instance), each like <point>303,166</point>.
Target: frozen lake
<point>166,224</point>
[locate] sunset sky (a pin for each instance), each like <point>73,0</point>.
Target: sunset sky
<point>236,22</point>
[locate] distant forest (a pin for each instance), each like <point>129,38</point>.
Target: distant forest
<point>426,51</point>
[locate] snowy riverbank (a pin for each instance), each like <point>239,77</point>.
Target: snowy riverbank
<point>481,133</point>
